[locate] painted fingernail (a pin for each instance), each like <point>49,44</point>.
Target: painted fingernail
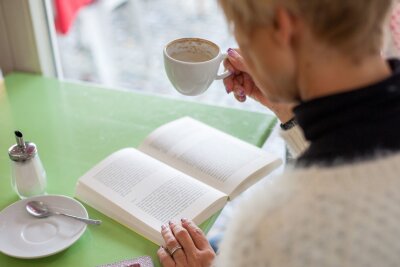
<point>241,93</point>
<point>184,220</point>
<point>242,98</point>
<point>232,52</point>
<point>228,90</point>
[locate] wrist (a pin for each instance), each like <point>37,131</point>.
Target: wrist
<point>289,124</point>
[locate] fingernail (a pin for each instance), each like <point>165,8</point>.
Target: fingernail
<point>239,90</point>
<point>163,227</point>
<point>171,223</point>
<point>241,93</point>
<point>184,220</point>
<point>232,52</point>
<point>242,98</point>
<point>228,89</point>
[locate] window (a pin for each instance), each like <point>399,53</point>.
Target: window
<point>119,43</point>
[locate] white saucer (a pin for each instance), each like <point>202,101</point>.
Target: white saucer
<point>24,236</point>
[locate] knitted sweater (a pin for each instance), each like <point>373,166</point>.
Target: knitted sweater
<point>345,216</point>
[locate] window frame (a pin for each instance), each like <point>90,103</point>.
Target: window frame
<point>27,39</point>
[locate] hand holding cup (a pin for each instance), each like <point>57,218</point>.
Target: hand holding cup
<point>242,85</point>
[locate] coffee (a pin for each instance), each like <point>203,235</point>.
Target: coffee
<point>191,57</point>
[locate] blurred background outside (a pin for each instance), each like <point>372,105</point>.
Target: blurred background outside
<point>119,43</point>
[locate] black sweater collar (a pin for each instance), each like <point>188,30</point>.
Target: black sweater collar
<point>353,124</point>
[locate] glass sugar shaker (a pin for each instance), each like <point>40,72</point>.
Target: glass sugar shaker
<point>28,175</point>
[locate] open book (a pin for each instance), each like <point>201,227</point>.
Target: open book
<point>183,169</point>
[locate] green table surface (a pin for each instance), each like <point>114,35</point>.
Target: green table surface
<point>77,125</point>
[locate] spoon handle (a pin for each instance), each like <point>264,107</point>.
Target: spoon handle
<point>85,220</point>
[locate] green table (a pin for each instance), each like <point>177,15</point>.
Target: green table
<point>77,125</point>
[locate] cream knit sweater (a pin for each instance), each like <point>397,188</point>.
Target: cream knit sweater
<point>347,216</point>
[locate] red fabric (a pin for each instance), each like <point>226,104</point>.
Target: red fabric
<point>66,11</point>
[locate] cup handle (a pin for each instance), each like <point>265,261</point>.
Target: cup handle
<point>226,73</point>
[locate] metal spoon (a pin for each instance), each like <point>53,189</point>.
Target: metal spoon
<point>40,210</point>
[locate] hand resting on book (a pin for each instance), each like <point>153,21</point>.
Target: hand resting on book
<point>186,245</point>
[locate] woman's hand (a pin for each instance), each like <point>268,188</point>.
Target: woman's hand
<point>242,85</point>
<point>186,246</point>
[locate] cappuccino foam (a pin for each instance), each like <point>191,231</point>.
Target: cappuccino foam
<point>191,57</point>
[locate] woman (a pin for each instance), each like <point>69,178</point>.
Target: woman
<point>340,205</point>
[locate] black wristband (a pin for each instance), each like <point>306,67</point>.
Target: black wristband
<point>289,124</point>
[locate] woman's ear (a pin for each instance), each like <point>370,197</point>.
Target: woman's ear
<point>284,26</point>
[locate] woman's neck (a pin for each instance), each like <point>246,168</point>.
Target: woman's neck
<point>323,74</point>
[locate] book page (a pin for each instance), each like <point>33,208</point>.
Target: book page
<point>209,155</point>
<point>143,193</point>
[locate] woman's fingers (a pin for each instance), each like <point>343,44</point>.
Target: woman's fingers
<point>239,93</point>
<point>229,81</point>
<point>240,83</point>
<point>229,84</point>
<point>195,250</point>
<point>239,90</point>
<point>237,66</point>
<point>236,60</point>
<point>183,237</point>
<point>165,259</point>
<point>239,79</point>
<point>229,66</point>
<point>248,84</point>
<point>197,234</point>
<point>173,245</point>
<point>233,82</point>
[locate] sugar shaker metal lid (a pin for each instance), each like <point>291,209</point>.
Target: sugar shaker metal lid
<point>21,151</point>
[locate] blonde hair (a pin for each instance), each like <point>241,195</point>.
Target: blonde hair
<point>349,25</point>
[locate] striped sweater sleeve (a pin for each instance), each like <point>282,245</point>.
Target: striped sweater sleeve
<point>295,140</point>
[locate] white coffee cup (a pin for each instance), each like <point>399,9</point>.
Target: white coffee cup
<point>192,64</point>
